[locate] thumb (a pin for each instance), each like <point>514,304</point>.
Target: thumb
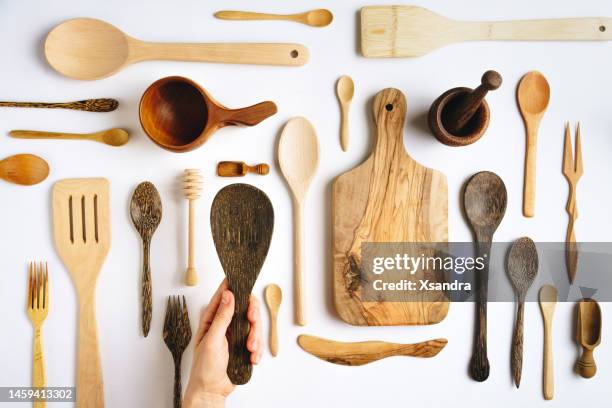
<point>223,317</point>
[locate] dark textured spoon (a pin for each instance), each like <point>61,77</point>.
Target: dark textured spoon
<point>522,268</point>
<point>241,220</point>
<point>146,212</point>
<point>484,200</point>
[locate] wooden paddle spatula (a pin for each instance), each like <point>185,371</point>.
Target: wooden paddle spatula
<point>81,223</point>
<point>241,220</point>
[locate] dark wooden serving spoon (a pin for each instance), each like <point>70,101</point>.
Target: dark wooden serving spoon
<point>522,268</point>
<point>241,220</point>
<point>484,200</point>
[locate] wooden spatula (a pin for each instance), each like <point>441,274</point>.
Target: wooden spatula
<point>241,220</point>
<point>81,223</point>
<point>411,31</point>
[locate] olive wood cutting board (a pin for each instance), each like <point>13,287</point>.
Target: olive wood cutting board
<point>388,198</point>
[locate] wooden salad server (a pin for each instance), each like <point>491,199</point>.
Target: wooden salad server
<point>364,352</point>
<point>241,220</point>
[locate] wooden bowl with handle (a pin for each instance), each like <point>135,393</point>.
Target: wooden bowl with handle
<point>179,115</point>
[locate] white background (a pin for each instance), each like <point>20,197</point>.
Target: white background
<point>137,371</point>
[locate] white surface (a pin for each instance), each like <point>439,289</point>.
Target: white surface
<point>138,372</point>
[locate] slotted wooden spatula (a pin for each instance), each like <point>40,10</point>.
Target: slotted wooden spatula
<point>81,223</point>
<point>411,31</point>
<point>241,220</point>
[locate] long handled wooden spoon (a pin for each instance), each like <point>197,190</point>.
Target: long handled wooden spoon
<point>533,95</point>
<point>313,18</point>
<point>89,105</point>
<point>274,297</point>
<point>298,156</point>
<point>24,169</point>
<point>548,301</point>
<point>86,48</point>
<point>345,89</point>
<point>111,137</point>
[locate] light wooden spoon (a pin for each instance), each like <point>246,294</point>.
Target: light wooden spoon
<point>274,297</point>
<point>86,48</point>
<point>533,95</point>
<point>313,18</point>
<point>24,169</point>
<point>111,137</point>
<point>298,156</point>
<point>345,89</point>
<point>548,301</point>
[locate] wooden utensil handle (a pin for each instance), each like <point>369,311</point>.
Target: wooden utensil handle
<point>273,336</point>
<point>231,53</point>
<point>249,116</point>
<point>89,391</point>
<point>191,277</point>
<point>571,249</point>
<point>239,367</point>
<point>39,376</point>
<point>479,365</point>
<point>89,105</point>
<point>33,134</point>
<point>549,382</point>
<point>586,364</point>
<point>247,15</point>
<point>543,30</point>
<point>178,387</point>
<point>529,188</point>
<point>300,315</point>
<point>344,129</point>
<point>516,362</point>
<point>147,290</point>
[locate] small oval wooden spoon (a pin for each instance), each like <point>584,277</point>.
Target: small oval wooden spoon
<point>111,137</point>
<point>533,95</point>
<point>345,89</point>
<point>522,268</point>
<point>313,18</point>
<point>588,333</point>
<point>298,156</point>
<point>548,301</point>
<point>274,297</point>
<point>24,169</point>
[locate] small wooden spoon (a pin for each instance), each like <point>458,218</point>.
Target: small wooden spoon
<point>588,334</point>
<point>548,301</point>
<point>484,199</point>
<point>24,169</point>
<point>298,156</point>
<point>111,137</point>
<point>522,268</point>
<point>533,95</point>
<point>345,89</point>
<point>274,297</point>
<point>313,18</point>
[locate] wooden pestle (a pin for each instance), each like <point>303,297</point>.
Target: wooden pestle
<point>469,104</point>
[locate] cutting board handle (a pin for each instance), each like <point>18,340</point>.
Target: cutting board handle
<point>239,367</point>
<point>389,109</point>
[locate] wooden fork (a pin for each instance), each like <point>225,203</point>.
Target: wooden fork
<point>177,334</point>
<point>572,170</point>
<point>38,308</point>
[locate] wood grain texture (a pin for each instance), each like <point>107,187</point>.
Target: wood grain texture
<point>484,200</point>
<point>588,333</point>
<point>411,31</point>
<point>313,18</point>
<point>572,170</point>
<point>360,353</point>
<point>102,50</point>
<point>177,335</point>
<point>388,198</point>
<point>240,169</point>
<point>242,221</point>
<point>24,169</point>
<point>81,224</point>
<point>179,115</point>
<point>274,297</point>
<point>88,105</point>
<point>146,213</point>
<point>548,301</point>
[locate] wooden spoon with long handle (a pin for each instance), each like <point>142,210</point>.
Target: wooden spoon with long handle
<point>533,95</point>
<point>88,105</point>
<point>548,301</point>
<point>313,18</point>
<point>572,170</point>
<point>298,156</point>
<point>86,48</point>
<point>274,297</point>
<point>111,137</point>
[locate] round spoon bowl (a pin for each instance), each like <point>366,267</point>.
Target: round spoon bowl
<point>273,296</point>
<point>115,137</point>
<point>319,18</point>
<point>298,155</point>
<point>86,48</point>
<point>485,199</point>
<point>24,169</point>
<point>522,265</point>
<point>345,89</point>
<point>533,93</point>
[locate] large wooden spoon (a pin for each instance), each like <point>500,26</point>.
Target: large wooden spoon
<point>86,48</point>
<point>484,199</point>
<point>111,137</point>
<point>548,301</point>
<point>24,169</point>
<point>533,95</point>
<point>522,268</point>
<point>313,18</point>
<point>298,156</point>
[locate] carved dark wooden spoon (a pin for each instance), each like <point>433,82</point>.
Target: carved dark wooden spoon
<point>241,220</point>
<point>522,268</point>
<point>484,200</point>
<point>146,212</point>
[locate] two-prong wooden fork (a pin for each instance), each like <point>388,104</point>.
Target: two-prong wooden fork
<point>38,308</point>
<point>572,170</point>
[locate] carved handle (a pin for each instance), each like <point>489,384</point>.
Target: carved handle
<point>300,314</point>
<point>89,105</point>
<point>147,302</point>
<point>586,365</point>
<point>249,15</point>
<point>479,365</point>
<point>239,367</point>
<point>517,345</point>
<point>273,335</point>
<point>344,129</point>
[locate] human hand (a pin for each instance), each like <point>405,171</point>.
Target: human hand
<point>208,382</point>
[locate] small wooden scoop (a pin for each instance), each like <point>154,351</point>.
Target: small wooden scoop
<point>356,354</point>
<point>241,220</point>
<point>588,333</point>
<point>239,169</point>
